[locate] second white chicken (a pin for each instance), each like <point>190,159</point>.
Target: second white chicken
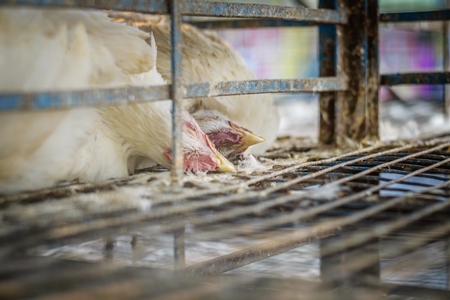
<point>52,49</point>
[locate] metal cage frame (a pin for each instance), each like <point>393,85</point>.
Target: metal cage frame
<point>348,85</point>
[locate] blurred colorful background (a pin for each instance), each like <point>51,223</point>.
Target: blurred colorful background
<point>292,52</point>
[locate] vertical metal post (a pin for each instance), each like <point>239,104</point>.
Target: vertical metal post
<point>179,249</point>
<point>445,41</point>
<point>373,71</point>
<point>177,120</point>
<point>350,271</point>
<point>327,60</point>
<point>331,264</point>
<point>176,93</point>
<point>352,61</point>
<point>109,247</point>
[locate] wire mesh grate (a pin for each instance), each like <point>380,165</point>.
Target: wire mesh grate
<point>346,202</point>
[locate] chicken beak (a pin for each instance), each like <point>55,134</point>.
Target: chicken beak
<point>223,164</point>
<point>248,137</point>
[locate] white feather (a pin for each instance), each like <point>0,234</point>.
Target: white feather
<point>52,49</point>
<point>208,58</point>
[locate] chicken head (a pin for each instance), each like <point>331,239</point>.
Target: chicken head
<point>230,139</point>
<point>199,154</point>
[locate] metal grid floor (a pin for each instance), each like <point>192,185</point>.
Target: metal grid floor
<point>346,203</point>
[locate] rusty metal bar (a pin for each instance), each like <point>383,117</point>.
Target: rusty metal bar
<point>303,214</point>
<point>437,15</point>
<point>253,254</point>
<point>245,10</point>
<point>447,260</point>
<point>437,231</point>
<point>176,172</point>
<point>417,292</point>
<point>416,78</point>
<point>53,100</point>
<point>176,91</point>
<point>200,8</point>
<point>352,61</point>
<point>446,62</point>
<point>94,225</point>
<point>83,188</point>
<point>373,72</point>
<point>250,23</point>
<point>327,61</point>
<point>321,230</point>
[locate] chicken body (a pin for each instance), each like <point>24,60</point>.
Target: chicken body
<point>207,58</point>
<point>52,49</point>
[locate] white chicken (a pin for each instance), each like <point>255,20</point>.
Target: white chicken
<point>228,138</point>
<point>207,58</point>
<point>53,49</point>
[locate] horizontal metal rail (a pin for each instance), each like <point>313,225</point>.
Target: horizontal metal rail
<point>50,100</point>
<point>437,15</point>
<point>250,23</point>
<point>415,78</point>
<point>200,8</point>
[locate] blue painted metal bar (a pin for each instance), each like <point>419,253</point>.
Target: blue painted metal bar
<point>51,100</point>
<point>328,64</point>
<point>145,6</point>
<point>58,100</point>
<point>437,15</point>
<point>415,78</point>
<point>200,8</point>
<point>263,86</point>
<point>176,92</point>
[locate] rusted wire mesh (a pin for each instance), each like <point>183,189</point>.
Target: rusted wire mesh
<point>348,203</point>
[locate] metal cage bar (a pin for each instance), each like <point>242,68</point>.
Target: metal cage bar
<point>54,100</point>
<point>327,61</point>
<point>176,93</point>
<point>200,8</point>
<point>358,83</point>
